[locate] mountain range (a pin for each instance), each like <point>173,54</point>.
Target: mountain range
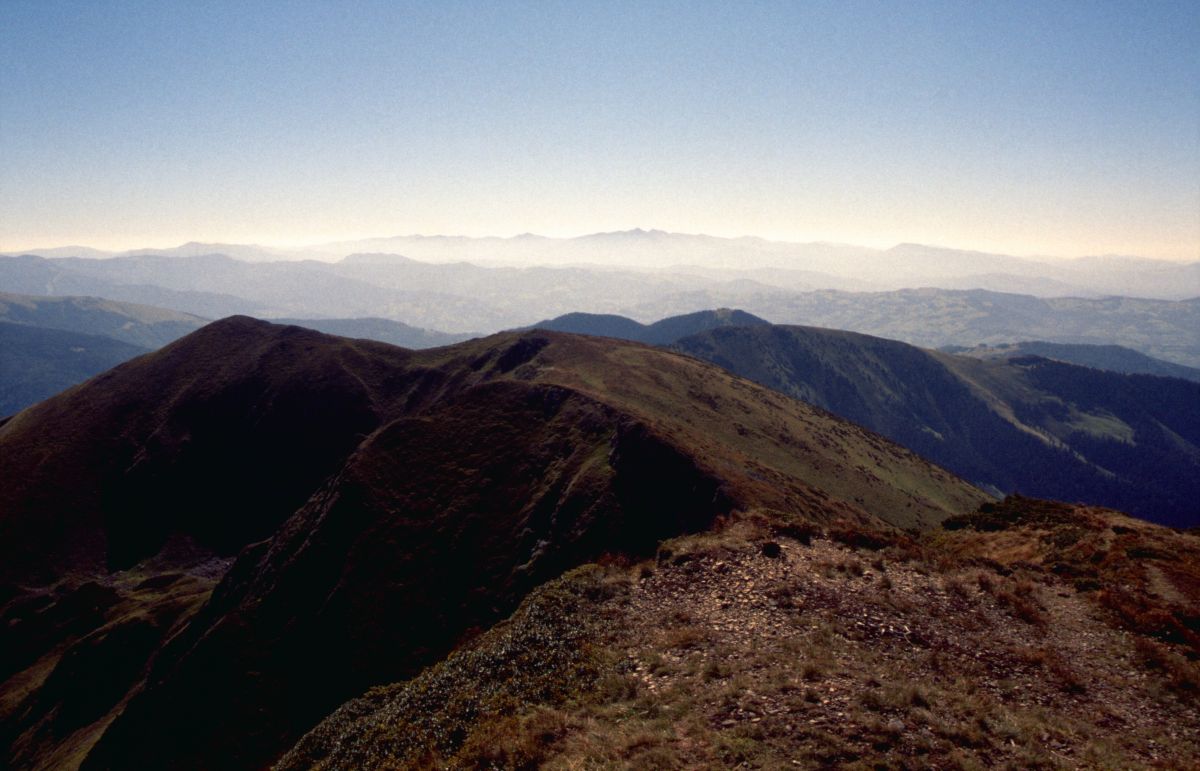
<point>54,342</point>
<point>820,265</point>
<point>432,489</point>
<point>540,548</point>
<point>1020,423</point>
<point>1009,423</point>
<point>461,298</point>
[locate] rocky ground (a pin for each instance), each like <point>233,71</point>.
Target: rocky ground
<point>768,647</point>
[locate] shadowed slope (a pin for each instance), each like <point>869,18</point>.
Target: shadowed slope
<point>142,325</point>
<point>1032,635</point>
<point>37,363</point>
<point>1031,425</point>
<point>219,436</point>
<point>382,572</point>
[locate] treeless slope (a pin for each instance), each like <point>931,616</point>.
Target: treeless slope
<point>1043,428</point>
<point>750,647</point>
<point>219,437</point>
<point>37,363</point>
<point>430,492</point>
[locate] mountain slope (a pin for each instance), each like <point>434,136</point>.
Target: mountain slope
<point>1030,425</point>
<point>1114,358</point>
<point>1012,640</point>
<point>52,343</point>
<point>234,428</point>
<point>38,363</point>
<point>407,499</point>
<point>141,325</point>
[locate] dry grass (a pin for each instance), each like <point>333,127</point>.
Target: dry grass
<point>832,656</point>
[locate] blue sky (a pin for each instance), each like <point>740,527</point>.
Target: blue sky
<point>1035,128</point>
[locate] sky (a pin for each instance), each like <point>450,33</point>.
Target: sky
<point>1042,128</point>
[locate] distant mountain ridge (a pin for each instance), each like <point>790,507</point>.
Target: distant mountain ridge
<point>905,265</point>
<point>462,298</point>
<point>144,326</point>
<point>48,344</point>
<point>933,318</point>
<point>381,330</point>
<point>661,332</point>
<point>54,342</point>
<point>1114,358</point>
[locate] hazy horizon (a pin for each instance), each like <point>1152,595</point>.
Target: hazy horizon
<point>288,249</point>
<point>1027,129</point>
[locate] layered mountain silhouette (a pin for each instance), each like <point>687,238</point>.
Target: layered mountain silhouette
<point>54,342</point>
<point>934,318</point>
<point>382,505</point>
<point>659,333</point>
<point>823,265</point>
<point>465,298</point>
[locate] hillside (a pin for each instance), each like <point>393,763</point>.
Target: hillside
<point>407,501</point>
<point>37,363</point>
<point>934,318</point>
<point>1031,635</point>
<point>142,325</point>
<point>52,343</point>
<point>1114,358</point>
<point>1031,425</point>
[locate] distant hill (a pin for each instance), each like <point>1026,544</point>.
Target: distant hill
<point>63,276</point>
<point>37,363</point>
<point>460,297</point>
<point>1114,358</point>
<point>661,332</point>
<point>831,265</point>
<point>142,325</point>
<point>384,505</point>
<point>934,318</point>
<point>1031,425</point>
<point>52,343</point>
<point>383,330</point>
